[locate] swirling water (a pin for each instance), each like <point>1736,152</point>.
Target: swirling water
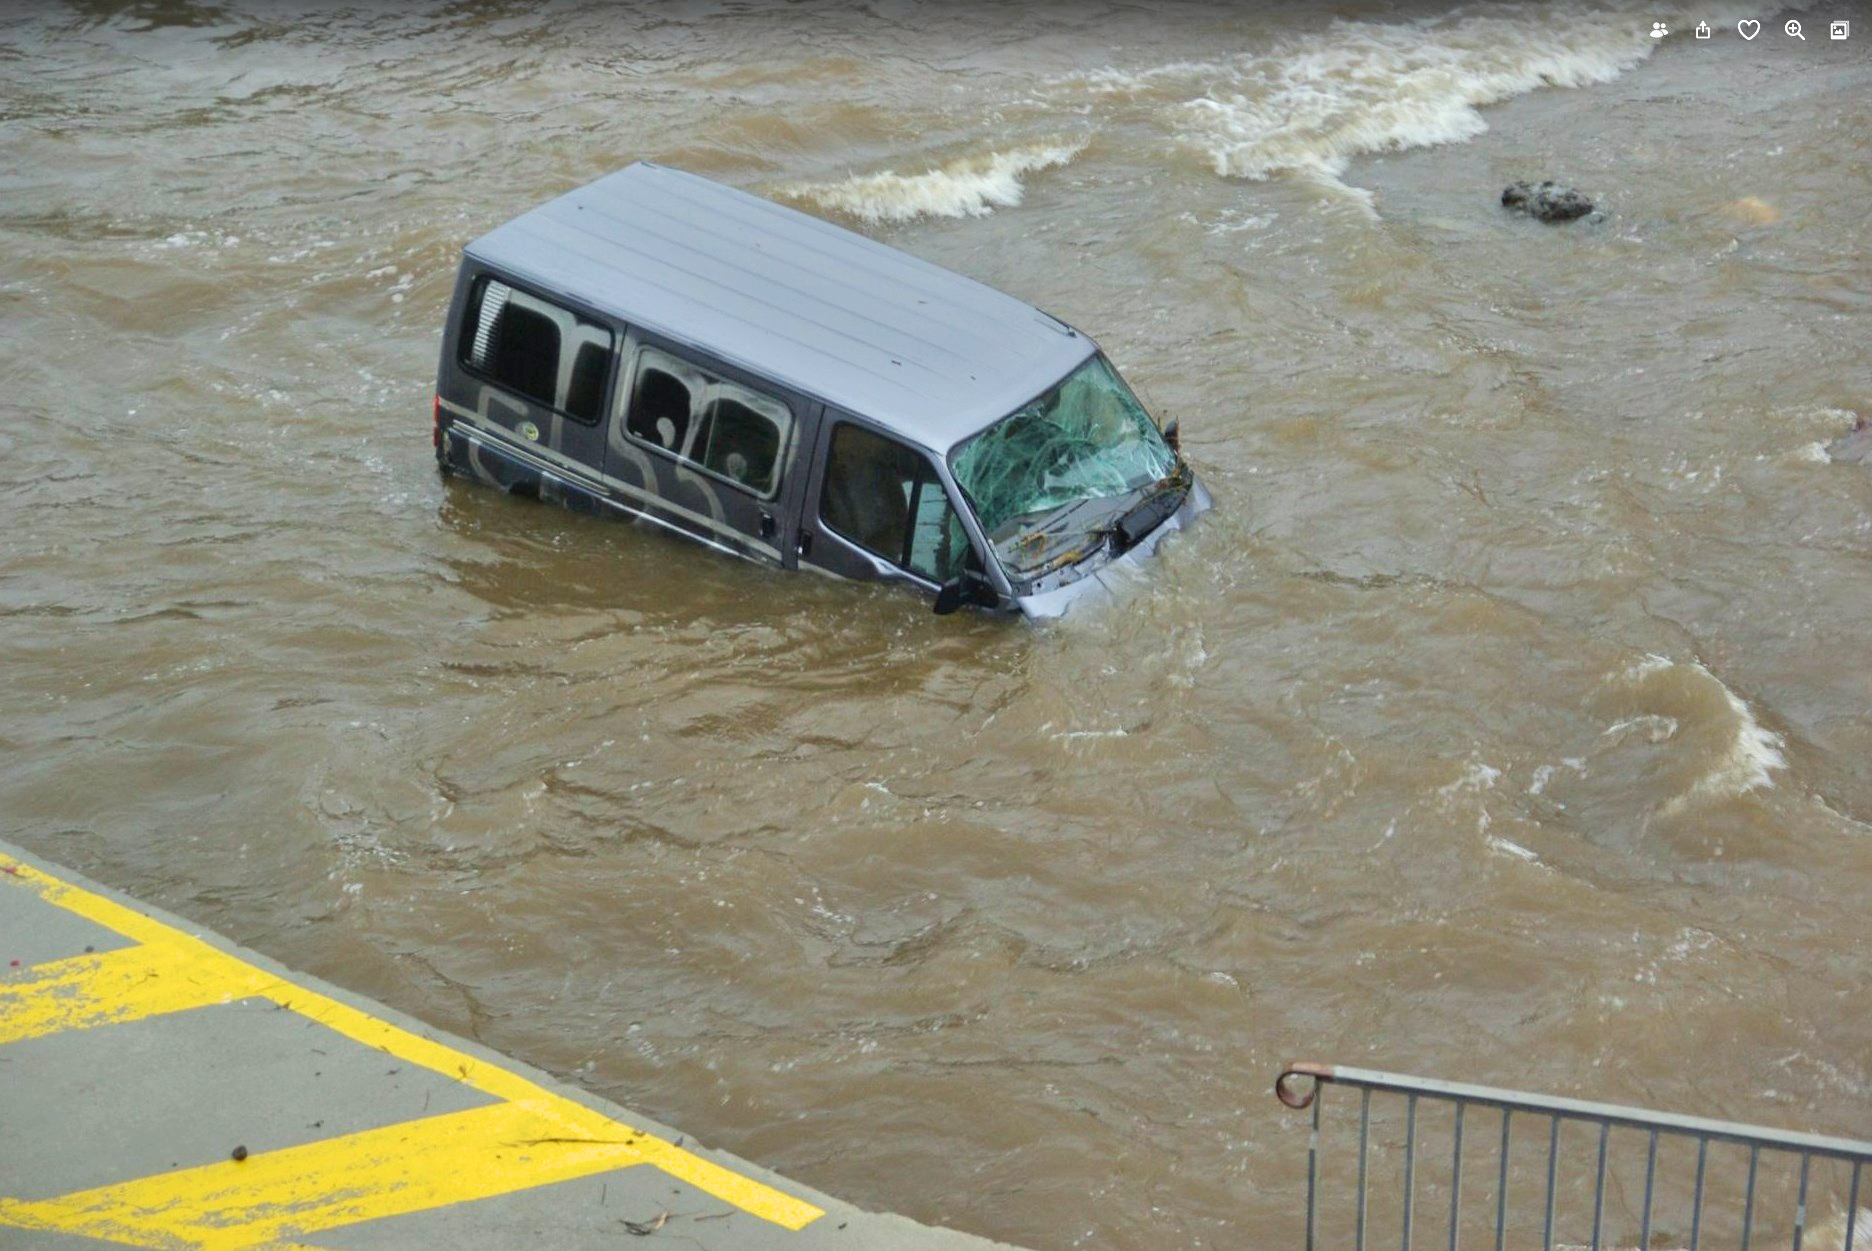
<point>1506,719</point>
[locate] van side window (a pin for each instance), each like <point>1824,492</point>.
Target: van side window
<point>536,349</point>
<point>722,427</point>
<point>887,499</point>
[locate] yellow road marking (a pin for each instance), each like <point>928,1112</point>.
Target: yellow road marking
<point>125,985</point>
<point>533,1138</point>
<point>111,915</point>
<point>292,1193</point>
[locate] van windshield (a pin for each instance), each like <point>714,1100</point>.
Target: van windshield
<point>1057,475</point>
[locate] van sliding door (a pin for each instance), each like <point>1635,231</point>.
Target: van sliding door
<point>697,446</point>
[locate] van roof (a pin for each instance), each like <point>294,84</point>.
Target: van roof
<point>915,347</point>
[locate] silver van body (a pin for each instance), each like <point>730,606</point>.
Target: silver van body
<point>668,349</point>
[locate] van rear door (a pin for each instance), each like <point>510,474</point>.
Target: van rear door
<point>537,374</point>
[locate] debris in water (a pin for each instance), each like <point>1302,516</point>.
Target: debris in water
<point>1546,201</point>
<point>1854,447</point>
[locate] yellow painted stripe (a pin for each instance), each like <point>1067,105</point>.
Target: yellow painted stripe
<point>112,916</point>
<point>295,1193</point>
<point>126,985</point>
<point>532,1139</point>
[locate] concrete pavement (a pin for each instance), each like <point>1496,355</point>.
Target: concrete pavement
<point>161,1087</point>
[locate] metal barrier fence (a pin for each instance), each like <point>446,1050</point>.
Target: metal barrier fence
<point>1745,1178</point>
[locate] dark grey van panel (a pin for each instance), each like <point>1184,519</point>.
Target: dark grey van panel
<point>686,446</point>
<point>527,413</point>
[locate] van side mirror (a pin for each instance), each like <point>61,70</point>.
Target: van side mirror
<point>971,586</point>
<point>1173,436</point>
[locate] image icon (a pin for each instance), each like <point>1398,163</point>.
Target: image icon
<point>1840,30</point>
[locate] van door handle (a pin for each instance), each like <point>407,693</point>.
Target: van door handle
<point>767,526</point>
<point>804,546</point>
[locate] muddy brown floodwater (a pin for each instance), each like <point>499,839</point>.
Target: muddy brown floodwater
<point>1507,720</point>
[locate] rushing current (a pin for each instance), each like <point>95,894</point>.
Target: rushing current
<point>1507,719</point>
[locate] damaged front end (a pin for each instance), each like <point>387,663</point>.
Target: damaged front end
<point>1104,568</point>
<point>1073,488</point>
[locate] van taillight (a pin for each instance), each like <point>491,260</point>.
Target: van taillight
<point>436,435</point>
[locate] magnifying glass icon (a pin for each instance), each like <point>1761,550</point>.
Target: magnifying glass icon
<point>1793,29</point>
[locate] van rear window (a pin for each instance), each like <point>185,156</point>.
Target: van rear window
<point>536,349</point>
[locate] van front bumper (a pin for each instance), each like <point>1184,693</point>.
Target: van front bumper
<point>1110,578</point>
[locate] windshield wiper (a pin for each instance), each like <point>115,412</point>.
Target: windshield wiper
<point>1057,541</point>
<point>1056,521</point>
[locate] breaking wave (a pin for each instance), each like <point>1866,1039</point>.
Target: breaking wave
<point>1306,105</point>
<point>1303,105</point>
<point>970,186</point>
<point>1362,87</point>
<point>1743,754</point>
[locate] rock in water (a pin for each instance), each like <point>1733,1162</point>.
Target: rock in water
<point>1546,201</point>
<point>1854,448</point>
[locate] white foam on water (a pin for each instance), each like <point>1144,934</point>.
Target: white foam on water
<point>1312,103</point>
<point>1112,81</point>
<point>1752,755</point>
<point>970,186</point>
<point>1476,777</point>
<point>1307,105</point>
<point>1496,843</point>
<point>1232,221</point>
<point>1829,1232</point>
<point>1652,663</point>
<point>1653,728</point>
<point>1827,422</point>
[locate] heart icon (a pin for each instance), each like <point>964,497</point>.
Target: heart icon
<point>1748,28</point>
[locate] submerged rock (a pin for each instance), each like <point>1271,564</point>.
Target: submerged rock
<point>1546,201</point>
<point>1854,448</point>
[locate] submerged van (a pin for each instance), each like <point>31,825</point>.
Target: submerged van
<point>663,348</point>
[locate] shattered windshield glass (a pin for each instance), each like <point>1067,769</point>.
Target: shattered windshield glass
<point>1052,477</point>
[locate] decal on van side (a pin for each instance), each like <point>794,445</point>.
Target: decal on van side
<point>729,431</point>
